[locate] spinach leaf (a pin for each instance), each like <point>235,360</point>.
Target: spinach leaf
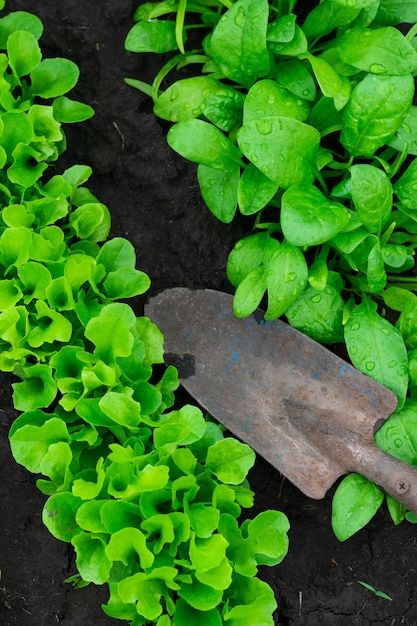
<point>318,314</point>
<point>272,144</point>
<point>286,278</point>
<point>377,348</point>
<point>376,109</point>
<point>219,188</point>
<point>380,51</point>
<point>294,75</point>
<point>203,143</point>
<point>152,36</point>
<point>200,96</point>
<point>238,42</point>
<point>255,190</point>
<point>266,98</point>
<point>405,139</point>
<point>308,218</point>
<point>397,436</point>
<point>355,502</point>
<point>372,196</point>
<point>392,13</point>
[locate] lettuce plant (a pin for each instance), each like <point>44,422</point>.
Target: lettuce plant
<point>309,125</point>
<point>148,494</point>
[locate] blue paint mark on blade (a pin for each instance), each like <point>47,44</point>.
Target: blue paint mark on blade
<point>234,359</point>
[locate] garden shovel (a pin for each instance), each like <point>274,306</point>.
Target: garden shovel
<point>306,411</point>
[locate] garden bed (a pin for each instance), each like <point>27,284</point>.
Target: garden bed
<point>154,200</point>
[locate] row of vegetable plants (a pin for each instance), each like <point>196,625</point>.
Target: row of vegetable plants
<point>148,493</point>
<point>302,122</point>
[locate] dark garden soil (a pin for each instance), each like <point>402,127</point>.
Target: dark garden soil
<point>154,200</point>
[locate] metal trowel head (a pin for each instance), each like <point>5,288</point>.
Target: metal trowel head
<point>305,410</point>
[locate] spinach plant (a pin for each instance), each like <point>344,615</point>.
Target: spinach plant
<point>148,493</point>
<point>309,125</point>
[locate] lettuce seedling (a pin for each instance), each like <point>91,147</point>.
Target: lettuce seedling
<point>148,495</point>
<point>317,140</point>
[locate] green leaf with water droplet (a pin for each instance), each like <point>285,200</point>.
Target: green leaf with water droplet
<point>372,196</point>
<point>255,190</point>
<point>377,107</point>
<point>396,510</point>
<point>294,76</point>
<point>282,30</point>
<point>284,149</point>
<point>219,188</point>
<point>380,51</point>
<point>318,274</point>
<point>250,292</point>
<point>398,435</point>
<point>327,16</point>
<point>392,12</point>
<point>407,322</point>
<point>395,256</point>
<point>377,348</point>
<point>375,270</point>
<point>296,46</point>
<point>354,504</point>
<point>412,369</point>
<point>406,186</point>
<point>200,95</point>
<point>286,278</point>
<point>152,36</point>
<point>266,98</point>
<point>184,99</point>
<point>328,79</point>
<point>238,42</point>
<point>308,218</point>
<point>247,255</point>
<point>404,301</point>
<point>318,314</point>
<point>201,142</point>
<point>406,136</point>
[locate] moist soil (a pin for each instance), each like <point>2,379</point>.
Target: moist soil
<point>154,200</point>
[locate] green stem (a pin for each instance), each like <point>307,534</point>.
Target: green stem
<point>179,25</point>
<point>404,279</point>
<point>411,33</point>
<point>331,129</point>
<point>163,72</point>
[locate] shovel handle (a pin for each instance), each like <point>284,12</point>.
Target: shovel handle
<point>395,477</point>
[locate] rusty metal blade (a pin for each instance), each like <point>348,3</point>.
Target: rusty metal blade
<point>305,410</point>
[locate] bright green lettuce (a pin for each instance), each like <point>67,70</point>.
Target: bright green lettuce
<point>139,488</point>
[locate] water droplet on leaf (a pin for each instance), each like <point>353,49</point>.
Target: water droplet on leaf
<point>316,298</point>
<point>240,18</point>
<point>377,68</point>
<point>264,127</point>
<point>290,277</point>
